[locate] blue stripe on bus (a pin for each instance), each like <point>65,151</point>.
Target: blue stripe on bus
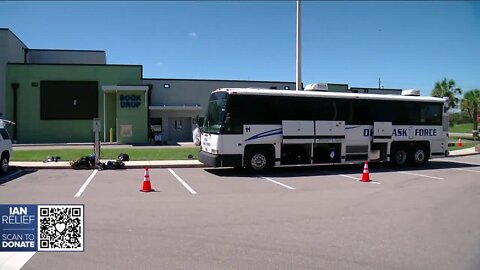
<point>265,134</point>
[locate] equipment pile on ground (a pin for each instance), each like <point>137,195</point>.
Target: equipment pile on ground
<point>88,162</point>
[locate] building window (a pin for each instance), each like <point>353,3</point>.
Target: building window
<point>156,125</point>
<point>166,85</point>
<point>287,87</point>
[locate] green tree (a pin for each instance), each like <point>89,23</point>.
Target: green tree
<point>447,88</point>
<point>471,104</point>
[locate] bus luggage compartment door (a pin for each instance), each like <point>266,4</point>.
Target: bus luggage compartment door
<point>382,132</point>
<point>329,131</point>
<point>295,132</point>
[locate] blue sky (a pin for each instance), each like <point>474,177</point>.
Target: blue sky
<point>407,44</point>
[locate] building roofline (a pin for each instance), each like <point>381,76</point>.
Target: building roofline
<point>66,50</point>
<point>214,80</point>
<point>8,29</point>
<point>376,88</point>
<point>66,64</point>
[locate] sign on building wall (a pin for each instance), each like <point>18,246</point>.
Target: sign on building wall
<point>126,130</point>
<point>130,101</point>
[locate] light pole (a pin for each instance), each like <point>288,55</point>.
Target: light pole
<point>298,61</point>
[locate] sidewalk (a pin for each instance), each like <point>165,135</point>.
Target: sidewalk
<point>168,163</point>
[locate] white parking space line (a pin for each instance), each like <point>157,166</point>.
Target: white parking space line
<point>465,170</point>
<point>276,182</point>
<point>183,182</point>
<point>348,176</point>
<point>477,156</point>
<point>422,175</point>
<point>84,186</point>
<point>461,162</point>
<point>14,260</point>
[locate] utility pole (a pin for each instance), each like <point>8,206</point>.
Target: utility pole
<point>298,61</point>
<point>378,82</point>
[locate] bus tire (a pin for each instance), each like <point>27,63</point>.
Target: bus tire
<point>258,161</point>
<point>399,157</point>
<point>419,156</point>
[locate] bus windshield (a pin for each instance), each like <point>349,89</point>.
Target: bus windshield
<point>216,112</point>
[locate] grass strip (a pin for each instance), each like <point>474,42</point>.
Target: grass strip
<point>465,144</point>
<point>461,128</point>
<point>180,153</point>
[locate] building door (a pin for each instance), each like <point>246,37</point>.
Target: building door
<point>180,129</point>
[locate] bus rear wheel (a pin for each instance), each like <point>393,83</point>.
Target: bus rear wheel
<point>419,156</point>
<point>258,161</point>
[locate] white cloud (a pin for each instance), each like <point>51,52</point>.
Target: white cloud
<point>193,35</point>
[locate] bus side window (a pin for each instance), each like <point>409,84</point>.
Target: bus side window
<point>344,112</point>
<point>431,114</point>
<point>324,109</point>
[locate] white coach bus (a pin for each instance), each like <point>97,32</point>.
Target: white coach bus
<point>261,128</point>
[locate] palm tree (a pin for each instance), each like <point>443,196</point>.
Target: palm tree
<point>471,104</point>
<point>447,88</point>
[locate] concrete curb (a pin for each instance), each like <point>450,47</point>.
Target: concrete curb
<point>463,155</point>
<point>165,166</point>
<point>66,165</point>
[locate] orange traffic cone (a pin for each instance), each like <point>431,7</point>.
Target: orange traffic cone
<point>459,143</point>
<point>365,174</point>
<point>146,182</point>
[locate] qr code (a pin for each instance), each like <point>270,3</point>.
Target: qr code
<point>60,228</point>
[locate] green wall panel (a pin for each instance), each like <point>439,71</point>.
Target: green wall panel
<point>31,129</point>
<point>132,117</point>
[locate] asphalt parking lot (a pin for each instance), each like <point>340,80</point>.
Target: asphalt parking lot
<point>291,218</point>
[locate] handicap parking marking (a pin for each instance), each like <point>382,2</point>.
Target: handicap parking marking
<point>276,182</point>
<point>189,188</point>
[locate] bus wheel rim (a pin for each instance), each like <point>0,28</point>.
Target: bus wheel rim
<point>401,157</point>
<point>258,161</point>
<point>419,156</point>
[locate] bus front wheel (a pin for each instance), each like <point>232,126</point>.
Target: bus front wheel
<point>258,161</point>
